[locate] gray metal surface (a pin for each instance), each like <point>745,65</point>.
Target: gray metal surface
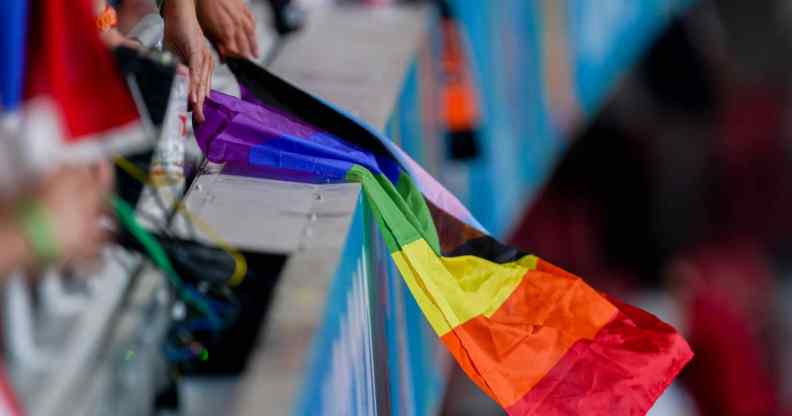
<point>268,215</point>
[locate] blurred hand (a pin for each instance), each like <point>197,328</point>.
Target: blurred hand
<point>184,37</point>
<point>75,199</point>
<point>113,39</point>
<point>230,26</point>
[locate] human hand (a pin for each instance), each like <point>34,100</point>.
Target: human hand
<point>74,199</point>
<point>184,37</point>
<point>230,25</point>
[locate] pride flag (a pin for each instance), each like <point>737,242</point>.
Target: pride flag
<point>534,337</point>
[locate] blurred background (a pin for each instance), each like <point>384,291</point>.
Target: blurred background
<point>673,192</point>
<point>643,145</point>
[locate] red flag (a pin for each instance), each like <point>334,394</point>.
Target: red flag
<point>77,106</point>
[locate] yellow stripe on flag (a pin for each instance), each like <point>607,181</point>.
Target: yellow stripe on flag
<point>451,291</point>
<point>421,295</point>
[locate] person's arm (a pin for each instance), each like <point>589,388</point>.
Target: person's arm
<point>184,37</point>
<point>231,27</point>
<point>57,221</point>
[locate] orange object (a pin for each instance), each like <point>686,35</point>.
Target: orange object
<point>528,335</point>
<point>461,108</point>
<point>108,19</point>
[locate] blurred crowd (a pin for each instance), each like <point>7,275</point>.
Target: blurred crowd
<point>680,187</point>
<point>55,216</point>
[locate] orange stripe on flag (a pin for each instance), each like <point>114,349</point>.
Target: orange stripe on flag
<point>529,334</point>
<point>623,370</point>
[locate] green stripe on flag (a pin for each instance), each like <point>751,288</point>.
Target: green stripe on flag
<point>403,211</point>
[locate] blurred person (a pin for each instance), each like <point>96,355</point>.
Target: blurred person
<point>695,198</point>
<point>130,12</point>
<point>55,221</point>
<point>592,217</point>
<point>725,289</point>
<point>287,17</point>
<point>183,36</point>
<point>107,24</point>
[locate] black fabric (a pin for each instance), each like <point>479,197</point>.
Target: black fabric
<point>459,239</point>
<point>193,261</point>
<point>153,76</point>
<point>230,349</point>
<point>488,248</point>
<point>273,91</point>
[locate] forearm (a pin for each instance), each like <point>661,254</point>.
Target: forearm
<point>178,11</point>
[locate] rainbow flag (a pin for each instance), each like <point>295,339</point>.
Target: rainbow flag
<point>534,337</point>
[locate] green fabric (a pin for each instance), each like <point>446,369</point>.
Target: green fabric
<point>36,224</point>
<point>396,210</point>
<point>414,199</point>
<point>395,227</point>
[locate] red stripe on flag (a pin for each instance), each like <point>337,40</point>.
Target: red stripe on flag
<point>623,371</point>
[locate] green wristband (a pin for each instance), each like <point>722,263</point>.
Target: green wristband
<point>36,224</point>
